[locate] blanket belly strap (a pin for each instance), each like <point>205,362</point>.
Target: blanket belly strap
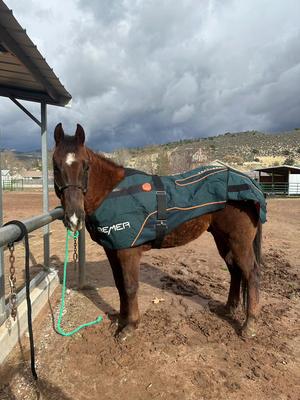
<point>161,220</point>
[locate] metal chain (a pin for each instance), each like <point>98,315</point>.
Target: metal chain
<point>75,254</point>
<point>12,282</point>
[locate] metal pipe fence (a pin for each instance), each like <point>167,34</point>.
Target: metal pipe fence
<point>25,183</point>
<point>281,188</point>
<point>10,233</point>
<point>12,184</point>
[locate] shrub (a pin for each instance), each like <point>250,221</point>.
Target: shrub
<point>289,161</point>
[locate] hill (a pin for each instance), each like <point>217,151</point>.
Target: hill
<point>244,150</point>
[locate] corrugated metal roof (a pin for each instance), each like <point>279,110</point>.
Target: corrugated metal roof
<point>24,73</point>
<point>280,169</point>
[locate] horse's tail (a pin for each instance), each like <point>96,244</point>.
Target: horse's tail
<point>257,244</point>
<point>244,292</point>
<point>257,252</point>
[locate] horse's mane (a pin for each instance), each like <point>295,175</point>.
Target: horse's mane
<point>107,162</point>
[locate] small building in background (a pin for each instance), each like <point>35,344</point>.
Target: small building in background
<point>279,180</point>
<point>5,175</point>
<point>32,175</point>
<point>32,179</point>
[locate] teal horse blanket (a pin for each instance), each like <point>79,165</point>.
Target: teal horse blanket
<point>128,215</point>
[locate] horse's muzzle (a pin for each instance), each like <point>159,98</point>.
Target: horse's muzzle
<point>74,221</point>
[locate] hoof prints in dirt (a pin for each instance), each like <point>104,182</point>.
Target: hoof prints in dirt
<point>201,286</point>
<point>209,326</point>
<point>180,286</point>
<point>277,277</point>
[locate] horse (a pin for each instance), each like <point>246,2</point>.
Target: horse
<point>83,179</point>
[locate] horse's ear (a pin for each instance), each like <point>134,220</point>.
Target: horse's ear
<point>58,133</point>
<point>79,134</point>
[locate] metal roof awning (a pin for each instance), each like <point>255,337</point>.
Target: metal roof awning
<point>279,170</point>
<point>24,73</point>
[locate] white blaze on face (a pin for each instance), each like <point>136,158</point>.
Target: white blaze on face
<point>74,220</point>
<point>70,158</point>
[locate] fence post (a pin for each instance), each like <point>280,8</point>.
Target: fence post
<point>2,285</point>
<point>45,182</point>
<point>81,270</point>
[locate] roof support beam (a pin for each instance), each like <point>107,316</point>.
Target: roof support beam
<point>22,56</point>
<point>44,137</point>
<point>2,286</point>
<point>25,95</point>
<point>17,103</point>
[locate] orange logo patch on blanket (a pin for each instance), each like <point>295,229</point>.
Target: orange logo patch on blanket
<point>146,187</point>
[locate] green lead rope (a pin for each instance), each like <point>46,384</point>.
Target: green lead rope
<point>59,329</point>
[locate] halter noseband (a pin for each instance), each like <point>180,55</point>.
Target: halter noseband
<point>62,188</point>
<point>83,187</point>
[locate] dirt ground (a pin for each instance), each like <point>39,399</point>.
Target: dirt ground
<point>185,347</point>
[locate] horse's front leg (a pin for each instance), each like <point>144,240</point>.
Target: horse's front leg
<point>125,265</point>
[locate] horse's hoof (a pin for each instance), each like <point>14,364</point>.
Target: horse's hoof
<point>124,334</point>
<point>113,325</point>
<point>248,332</point>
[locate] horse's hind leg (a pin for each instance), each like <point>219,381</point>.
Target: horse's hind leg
<point>234,291</point>
<point>240,230</point>
<point>235,273</point>
<point>244,257</point>
<point>253,308</point>
<point>125,265</point>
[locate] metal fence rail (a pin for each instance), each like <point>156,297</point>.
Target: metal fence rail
<point>10,233</point>
<point>25,183</point>
<point>12,184</point>
<point>281,188</point>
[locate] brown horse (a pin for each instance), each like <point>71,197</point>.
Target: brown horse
<point>83,179</point>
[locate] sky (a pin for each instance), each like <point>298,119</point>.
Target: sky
<point>146,72</point>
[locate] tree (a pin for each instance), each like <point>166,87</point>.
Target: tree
<point>10,161</point>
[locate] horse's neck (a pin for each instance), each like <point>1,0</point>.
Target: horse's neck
<point>104,175</point>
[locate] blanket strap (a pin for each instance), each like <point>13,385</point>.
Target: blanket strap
<point>161,220</point>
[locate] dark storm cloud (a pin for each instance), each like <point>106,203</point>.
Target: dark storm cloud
<point>144,72</point>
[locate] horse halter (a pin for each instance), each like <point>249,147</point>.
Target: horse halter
<point>83,187</point>
<point>61,189</point>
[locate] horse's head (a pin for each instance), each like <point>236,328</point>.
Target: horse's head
<point>70,166</point>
